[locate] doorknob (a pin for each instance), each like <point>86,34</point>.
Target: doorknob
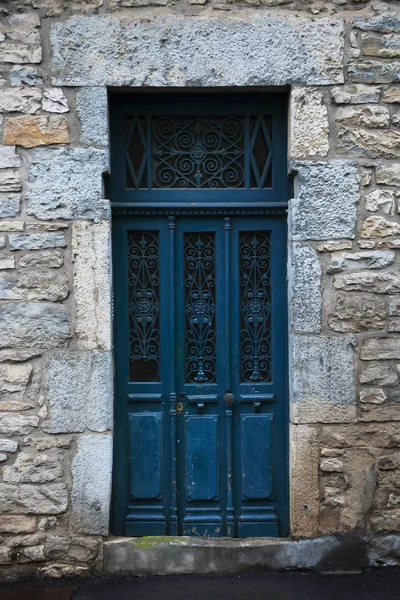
<point>229,398</point>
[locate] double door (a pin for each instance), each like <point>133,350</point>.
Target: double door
<point>200,331</point>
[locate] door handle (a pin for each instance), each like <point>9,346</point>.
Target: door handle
<point>229,398</point>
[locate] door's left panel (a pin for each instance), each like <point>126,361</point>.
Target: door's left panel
<point>143,317</point>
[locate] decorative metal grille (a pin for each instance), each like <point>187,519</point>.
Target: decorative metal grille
<point>199,261</point>
<point>144,308</point>
<point>255,306</point>
<point>198,152</point>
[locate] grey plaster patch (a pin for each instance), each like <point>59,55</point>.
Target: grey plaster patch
<point>92,109</point>
<point>322,379</point>
<point>172,50</point>
<point>71,189</point>
<point>305,289</point>
<point>34,325</point>
<point>326,197</point>
<point>91,472</point>
<point>78,387</point>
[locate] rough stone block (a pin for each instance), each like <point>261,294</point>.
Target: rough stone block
<point>367,116</point>
<point>380,348</point>
<point>36,241</point>
<point>372,395</point>
<point>309,125</point>
<point>92,109</point>
<point>71,189</point>
<point>38,284</point>
<point>322,386</point>
<point>326,197</point>
<point>16,424</point>
<point>92,283</point>
<point>34,325</point>
<point>378,226</point>
<point>78,387</point>
<point>14,379</point>
<point>91,472</point>
<point>380,200</point>
<point>50,499</point>
<point>334,245</point>
<point>378,373</point>
<point>36,131</point>
<point>391,94</point>
<point>374,71</point>
<point>9,205</point>
<point>357,313</point>
<point>9,158</point>
<point>305,290</point>
<point>23,99</point>
<point>384,23</point>
<point>362,435</point>
<point>20,53</point>
<point>378,283</point>
<point>159,51</point>
<point>20,76</point>
<point>52,259</point>
<point>385,46</point>
<point>7,261</point>
<point>17,524</point>
<point>54,101</point>
<point>31,468</point>
<point>374,259</point>
<point>8,446</point>
<point>304,496</point>
<point>356,94</point>
<point>388,174</point>
<point>371,143</point>
<point>10,181</point>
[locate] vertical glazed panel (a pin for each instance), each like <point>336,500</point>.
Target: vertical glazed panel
<point>257,467</point>
<point>146,450</point>
<point>202,458</point>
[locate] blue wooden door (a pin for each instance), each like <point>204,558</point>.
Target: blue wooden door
<point>200,320</point>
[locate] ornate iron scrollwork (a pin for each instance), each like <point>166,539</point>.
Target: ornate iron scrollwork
<point>144,307</point>
<point>199,252</point>
<point>255,306</point>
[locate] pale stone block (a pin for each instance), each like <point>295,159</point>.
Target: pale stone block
<point>385,23</point>
<point>24,76</point>
<point>368,142</point>
<point>50,499</point>
<point>92,109</point>
<point>378,226</point>
<point>38,284</point>
<point>367,116</point>
<point>378,283</point>
<point>356,94</point>
<point>78,387</point>
<point>391,94</point>
<point>22,99</point>
<point>357,313</point>
<point>384,46</point>
<point>378,373</point>
<point>380,200</point>
<point>17,524</point>
<point>91,489</point>
<point>325,202</point>
<point>36,131</point>
<point>8,446</point>
<point>366,244</point>
<point>9,205</point>
<point>10,181</point>
<point>36,241</point>
<point>72,188</point>
<point>31,468</point>
<point>304,490</point>
<point>52,259</point>
<point>244,51</point>
<point>91,253</point>
<point>7,262</point>
<point>14,379</point>
<point>54,101</point>
<point>41,443</point>
<point>375,259</point>
<point>388,174</point>
<point>305,289</point>
<point>331,465</point>
<point>380,348</point>
<point>333,245</point>
<point>20,53</point>
<point>372,395</point>
<point>12,225</point>
<point>15,405</point>
<point>34,325</point>
<point>62,571</point>
<point>9,158</point>
<point>309,125</point>
<point>374,71</point>
<point>322,378</point>
<point>16,424</point>
<point>18,355</point>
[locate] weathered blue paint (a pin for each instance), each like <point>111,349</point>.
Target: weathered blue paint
<point>200,310</point>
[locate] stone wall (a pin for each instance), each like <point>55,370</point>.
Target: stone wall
<point>342,61</point>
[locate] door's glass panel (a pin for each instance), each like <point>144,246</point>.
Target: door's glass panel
<point>260,152</point>
<point>199,279</point>
<point>144,306</point>
<point>136,152</point>
<point>255,306</point>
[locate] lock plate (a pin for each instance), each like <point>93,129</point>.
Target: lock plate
<point>179,407</point>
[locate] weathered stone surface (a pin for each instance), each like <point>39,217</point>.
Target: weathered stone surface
<point>394,307</point>
<point>309,123</point>
<point>9,205</point>
<point>91,472</point>
<point>8,446</point>
<point>366,175</point>
<point>331,465</point>
<point>373,395</point>
<point>24,76</point>
<point>2,241</point>
<point>356,94</point>
<point>322,379</point>
<point>92,283</point>
<point>9,158</point>
<point>50,499</point>
<point>366,244</point>
<point>75,549</point>
<point>377,226</point>
<point>23,99</point>
<point>78,387</point>
<point>380,348</point>
<point>374,71</point>
<point>385,46</point>
<point>378,373</point>
<point>36,241</point>
<point>326,197</point>
<point>35,325</point>
<point>7,261</point>
<point>305,290</point>
<point>379,283</point>
<point>92,109</point>
<point>36,131</point>
<point>71,189</point>
<point>304,497</point>
<point>20,53</point>
<point>16,424</point>
<point>18,355</point>
<point>15,405</point>
<point>384,550</point>
<point>380,200</point>
<point>14,379</point>
<point>61,571</point>
<point>46,443</point>
<point>355,313</point>
<point>391,94</point>
<point>31,468</point>
<point>54,101</point>
<point>388,174</point>
<point>17,524</point>
<point>10,181</point>
<point>367,116</point>
<point>393,325</point>
<point>363,435</point>
<point>385,23</point>
<point>37,284</point>
<point>379,413</point>
<point>12,225</point>
<point>396,118</point>
<point>374,259</point>
<point>5,556</point>
<point>159,51</point>
<point>334,245</point>
<point>52,259</point>
<point>366,142</point>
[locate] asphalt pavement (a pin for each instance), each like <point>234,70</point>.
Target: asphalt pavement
<point>383,584</point>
